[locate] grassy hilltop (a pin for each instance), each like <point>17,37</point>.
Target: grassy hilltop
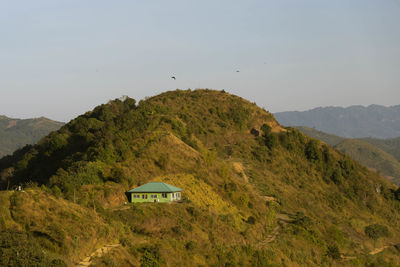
<point>256,193</point>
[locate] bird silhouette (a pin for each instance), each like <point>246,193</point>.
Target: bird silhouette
<point>237,71</point>
<point>173,77</point>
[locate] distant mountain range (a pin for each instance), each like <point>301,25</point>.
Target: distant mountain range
<point>15,133</point>
<point>352,122</point>
<point>381,155</point>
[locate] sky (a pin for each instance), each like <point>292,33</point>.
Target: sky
<point>61,58</point>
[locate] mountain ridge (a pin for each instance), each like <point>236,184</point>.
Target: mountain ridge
<point>16,133</point>
<point>350,122</point>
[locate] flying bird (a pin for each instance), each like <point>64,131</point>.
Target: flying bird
<point>237,71</point>
<point>173,77</point>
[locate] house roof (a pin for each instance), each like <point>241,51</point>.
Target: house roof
<point>155,187</point>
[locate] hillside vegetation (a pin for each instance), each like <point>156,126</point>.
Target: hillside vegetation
<point>352,122</point>
<point>377,154</point>
<point>372,157</point>
<point>255,193</point>
<point>16,133</point>
<point>390,146</point>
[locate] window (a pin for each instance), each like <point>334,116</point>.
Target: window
<point>164,195</point>
<point>144,196</point>
<point>136,196</point>
<point>153,196</point>
<point>178,195</point>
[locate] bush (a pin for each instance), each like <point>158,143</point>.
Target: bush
<point>151,257</point>
<point>376,231</point>
<point>251,220</point>
<point>333,251</point>
<point>190,245</point>
<point>312,151</point>
<point>270,139</point>
<point>337,177</point>
<point>162,161</point>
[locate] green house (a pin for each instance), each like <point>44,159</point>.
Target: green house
<point>154,192</point>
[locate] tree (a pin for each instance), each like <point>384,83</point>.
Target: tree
<point>270,139</point>
<point>312,151</point>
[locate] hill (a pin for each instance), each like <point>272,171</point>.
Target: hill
<point>372,157</point>
<point>351,122</point>
<point>391,146</point>
<point>16,133</point>
<point>256,193</point>
<point>330,139</point>
<point>367,151</point>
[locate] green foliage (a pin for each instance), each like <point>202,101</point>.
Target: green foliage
<point>239,115</point>
<point>337,177</point>
<point>227,180</point>
<point>151,257</point>
<point>376,231</point>
<point>162,161</point>
<point>15,132</point>
<point>312,151</point>
<point>302,220</point>
<point>19,249</point>
<point>251,220</point>
<point>333,251</point>
<point>118,175</point>
<point>190,245</point>
<point>270,139</point>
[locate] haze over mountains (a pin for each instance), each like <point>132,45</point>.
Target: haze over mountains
<point>352,122</point>
<point>256,193</point>
<point>16,133</point>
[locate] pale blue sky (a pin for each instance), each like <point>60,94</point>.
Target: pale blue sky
<point>61,58</point>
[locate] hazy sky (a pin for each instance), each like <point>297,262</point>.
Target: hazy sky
<point>61,58</point>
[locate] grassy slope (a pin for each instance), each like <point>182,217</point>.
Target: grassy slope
<point>330,139</point>
<point>376,154</point>
<point>391,146</point>
<point>47,230</point>
<point>16,133</point>
<point>201,141</point>
<point>372,157</point>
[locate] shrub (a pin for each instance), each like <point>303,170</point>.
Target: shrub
<point>251,220</point>
<point>162,161</point>
<point>151,257</point>
<point>333,251</point>
<point>376,231</point>
<point>270,139</point>
<point>337,177</point>
<point>190,245</point>
<point>312,151</point>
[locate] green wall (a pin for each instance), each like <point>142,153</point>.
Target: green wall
<point>149,199</point>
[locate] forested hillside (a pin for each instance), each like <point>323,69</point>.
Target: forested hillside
<point>255,193</point>
<point>377,154</point>
<point>16,133</point>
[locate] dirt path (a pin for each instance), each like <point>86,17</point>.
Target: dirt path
<point>271,237</point>
<point>98,253</point>
<point>378,250</point>
<point>283,219</point>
